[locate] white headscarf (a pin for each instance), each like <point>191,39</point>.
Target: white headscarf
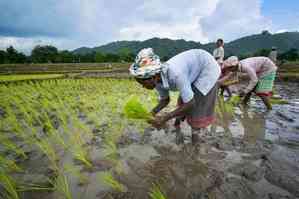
<point>231,61</point>
<point>147,64</point>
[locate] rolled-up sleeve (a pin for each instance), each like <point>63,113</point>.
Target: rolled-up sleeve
<point>185,89</point>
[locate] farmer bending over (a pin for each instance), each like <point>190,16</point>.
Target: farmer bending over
<point>261,71</point>
<point>193,73</point>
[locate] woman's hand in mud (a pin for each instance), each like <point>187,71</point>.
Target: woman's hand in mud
<point>158,121</point>
<point>242,94</point>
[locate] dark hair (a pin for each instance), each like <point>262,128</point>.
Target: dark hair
<point>220,40</point>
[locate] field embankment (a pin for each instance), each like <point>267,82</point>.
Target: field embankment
<point>288,71</point>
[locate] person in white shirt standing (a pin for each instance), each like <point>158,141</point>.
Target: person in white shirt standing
<point>218,53</point>
<point>219,56</point>
<point>273,55</point>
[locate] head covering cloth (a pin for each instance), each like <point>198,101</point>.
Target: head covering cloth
<point>146,65</point>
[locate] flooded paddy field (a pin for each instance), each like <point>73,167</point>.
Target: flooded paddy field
<point>70,139</point>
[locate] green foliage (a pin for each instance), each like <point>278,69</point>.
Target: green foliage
<point>135,110</point>
<point>234,100</point>
<point>12,56</point>
<point>44,54</point>
<point>243,47</point>
<point>290,55</point>
<point>156,193</point>
<point>9,186</point>
<point>108,179</point>
<point>62,186</point>
<point>262,52</point>
<point>278,101</point>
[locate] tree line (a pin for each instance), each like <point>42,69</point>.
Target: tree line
<point>50,54</point>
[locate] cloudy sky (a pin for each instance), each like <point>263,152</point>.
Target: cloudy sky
<point>69,24</point>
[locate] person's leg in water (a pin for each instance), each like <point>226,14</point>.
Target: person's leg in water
<point>267,102</point>
<point>179,137</point>
<point>247,98</point>
<point>221,90</point>
<point>195,137</point>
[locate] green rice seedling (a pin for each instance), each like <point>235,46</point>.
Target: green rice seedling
<point>81,155</point>
<point>46,147</point>
<point>156,193</point>
<point>110,149</point>
<point>62,186</point>
<point>108,179</point>
<point>76,171</point>
<point>77,149</point>
<point>8,165</point>
<point>135,110</point>
<point>34,187</point>
<point>234,100</point>
<point>278,101</point>
<point>9,186</point>
<point>11,146</point>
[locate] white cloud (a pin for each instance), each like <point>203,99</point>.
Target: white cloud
<point>96,22</point>
<point>235,18</point>
<point>27,44</point>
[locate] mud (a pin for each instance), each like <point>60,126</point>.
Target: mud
<point>253,153</point>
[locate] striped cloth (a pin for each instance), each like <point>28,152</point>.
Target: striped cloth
<point>265,84</point>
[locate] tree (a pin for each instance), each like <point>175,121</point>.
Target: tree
<point>2,56</point>
<point>266,32</point>
<point>125,54</point>
<point>99,57</point>
<point>87,58</point>
<point>262,52</point>
<point>65,56</point>
<point>112,58</point>
<point>21,58</point>
<point>44,54</point>
<point>12,55</point>
<point>290,55</point>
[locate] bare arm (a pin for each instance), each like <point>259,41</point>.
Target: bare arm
<point>180,111</point>
<point>224,78</point>
<point>161,105</point>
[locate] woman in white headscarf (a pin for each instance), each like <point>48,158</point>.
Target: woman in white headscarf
<point>261,71</point>
<point>194,73</point>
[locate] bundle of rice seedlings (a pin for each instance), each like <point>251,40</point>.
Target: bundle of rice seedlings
<point>135,110</point>
<point>234,100</point>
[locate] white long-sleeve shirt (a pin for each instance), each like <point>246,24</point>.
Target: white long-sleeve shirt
<point>218,54</point>
<point>256,68</point>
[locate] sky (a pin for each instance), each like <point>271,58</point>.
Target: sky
<point>70,24</point>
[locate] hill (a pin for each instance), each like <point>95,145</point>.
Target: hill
<point>167,47</point>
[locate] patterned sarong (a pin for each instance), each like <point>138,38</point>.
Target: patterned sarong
<point>265,85</point>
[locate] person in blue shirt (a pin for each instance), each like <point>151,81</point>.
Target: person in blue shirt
<point>193,73</point>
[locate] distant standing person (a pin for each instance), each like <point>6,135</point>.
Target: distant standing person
<point>261,71</point>
<point>219,56</point>
<point>218,53</point>
<point>193,73</point>
<point>273,54</point>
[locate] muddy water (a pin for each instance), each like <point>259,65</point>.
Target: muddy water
<point>253,153</point>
